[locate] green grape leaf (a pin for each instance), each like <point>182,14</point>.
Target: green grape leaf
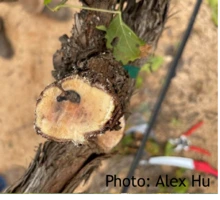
<point>139,82</point>
<point>183,188</point>
<point>152,147</point>
<point>46,2</point>
<point>214,7</point>
<point>122,40</point>
<point>127,140</point>
<point>153,64</point>
<point>175,122</point>
<point>216,16</point>
<point>213,3</point>
<point>169,149</point>
<point>179,173</point>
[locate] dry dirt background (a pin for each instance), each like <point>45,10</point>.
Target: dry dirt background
<point>192,96</point>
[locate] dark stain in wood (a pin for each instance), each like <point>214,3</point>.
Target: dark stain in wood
<point>69,95</point>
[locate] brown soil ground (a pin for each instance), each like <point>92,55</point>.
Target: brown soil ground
<point>191,97</point>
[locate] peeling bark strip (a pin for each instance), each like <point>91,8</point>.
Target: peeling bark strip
<point>61,167</point>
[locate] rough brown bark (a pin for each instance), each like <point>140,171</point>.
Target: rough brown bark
<point>60,167</point>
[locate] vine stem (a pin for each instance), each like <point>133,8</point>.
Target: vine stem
<point>82,7</point>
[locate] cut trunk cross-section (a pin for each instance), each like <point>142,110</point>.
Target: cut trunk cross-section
<point>72,110</point>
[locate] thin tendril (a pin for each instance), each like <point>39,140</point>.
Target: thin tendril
<point>82,7</point>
